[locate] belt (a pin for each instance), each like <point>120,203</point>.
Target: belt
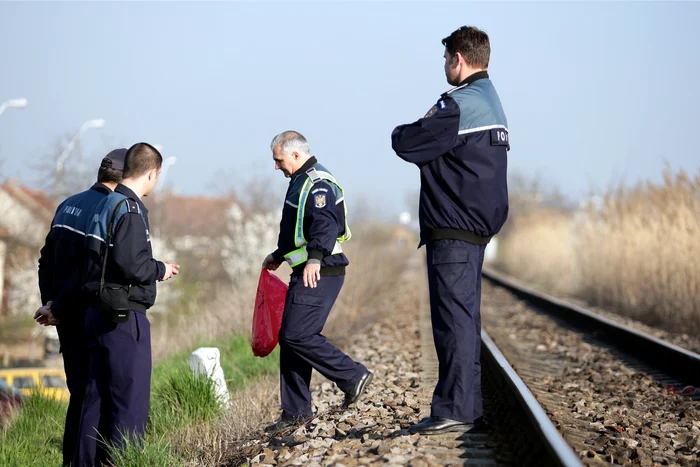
<point>457,234</point>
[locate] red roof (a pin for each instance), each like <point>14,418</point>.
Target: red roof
<point>36,201</point>
<point>41,198</point>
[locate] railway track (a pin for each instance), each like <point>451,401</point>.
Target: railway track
<point>605,386</point>
<point>557,391</point>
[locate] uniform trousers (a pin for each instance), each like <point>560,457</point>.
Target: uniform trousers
<point>454,279</point>
<point>303,347</point>
<point>117,398</point>
<point>71,335</point>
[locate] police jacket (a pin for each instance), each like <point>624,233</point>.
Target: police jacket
<point>63,256</point>
<point>323,221</point>
<point>130,261</point>
<point>460,147</point>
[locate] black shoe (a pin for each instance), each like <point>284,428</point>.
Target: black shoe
<point>437,425</point>
<point>283,423</point>
<point>481,423</point>
<point>351,397</point>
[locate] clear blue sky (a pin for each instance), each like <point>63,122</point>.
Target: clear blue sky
<point>595,93</point>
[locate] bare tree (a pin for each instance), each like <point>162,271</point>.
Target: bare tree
<point>262,194</point>
<point>363,209</point>
<point>78,174</point>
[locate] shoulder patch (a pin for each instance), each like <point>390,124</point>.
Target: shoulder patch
<point>320,200</point>
<point>133,205</point>
<point>433,109</point>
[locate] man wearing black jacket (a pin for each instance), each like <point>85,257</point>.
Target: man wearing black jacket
<point>60,283</point>
<point>117,398</point>
<point>461,148</point>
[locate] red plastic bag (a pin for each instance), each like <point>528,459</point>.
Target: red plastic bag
<point>267,315</point>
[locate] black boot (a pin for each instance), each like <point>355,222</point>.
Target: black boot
<point>283,423</point>
<point>437,425</point>
<point>354,395</point>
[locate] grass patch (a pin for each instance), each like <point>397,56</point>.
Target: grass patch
<point>35,436</point>
<point>178,400</point>
<point>155,451</point>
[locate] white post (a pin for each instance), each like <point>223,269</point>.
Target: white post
<point>491,251</point>
<point>205,361</point>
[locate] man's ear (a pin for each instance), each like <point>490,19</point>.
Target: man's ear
<point>295,155</point>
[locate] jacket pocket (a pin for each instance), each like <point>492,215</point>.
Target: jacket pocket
<point>309,300</point>
<point>450,251</point>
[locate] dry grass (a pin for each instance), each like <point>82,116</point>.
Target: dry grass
<point>637,252</point>
<point>224,441</point>
<point>642,253</point>
<point>540,250</point>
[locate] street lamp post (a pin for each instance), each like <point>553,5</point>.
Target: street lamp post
<point>96,123</point>
<point>161,181</point>
<point>13,104</point>
<point>164,170</point>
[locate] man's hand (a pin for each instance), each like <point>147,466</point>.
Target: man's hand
<point>170,271</point>
<point>270,263</point>
<point>312,274</point>
<point>44,316</point>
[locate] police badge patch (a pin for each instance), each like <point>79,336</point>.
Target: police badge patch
<point>320,200</point>
<point>430,113</point>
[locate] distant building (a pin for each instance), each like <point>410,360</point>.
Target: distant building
<point>24,223</point>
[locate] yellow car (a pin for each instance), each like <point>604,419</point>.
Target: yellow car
<point>50,382</point>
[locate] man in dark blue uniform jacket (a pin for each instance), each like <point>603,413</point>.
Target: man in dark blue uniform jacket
<point>61,281</point>
<point>460,147</point>
<point>117,398</point>
<point>312,229</point>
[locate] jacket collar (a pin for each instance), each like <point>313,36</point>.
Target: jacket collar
<point>99,187</point>
<point>128,192</point>
<point>473,77</point>
<point>469,80</point>
<point>307,165</point>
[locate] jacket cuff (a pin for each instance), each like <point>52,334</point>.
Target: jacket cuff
<point>161,270</point>
<point>57,309</point>
<point>315,254</point>
<point>279,257</point>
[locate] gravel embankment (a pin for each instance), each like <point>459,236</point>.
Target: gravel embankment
<point>606,406</point>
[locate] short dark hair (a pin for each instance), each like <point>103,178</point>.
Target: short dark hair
<point>140,158</point>
<point>472,43</point>
<point>106,175</point>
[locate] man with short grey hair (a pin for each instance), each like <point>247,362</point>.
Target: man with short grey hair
<point>313,227</point>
